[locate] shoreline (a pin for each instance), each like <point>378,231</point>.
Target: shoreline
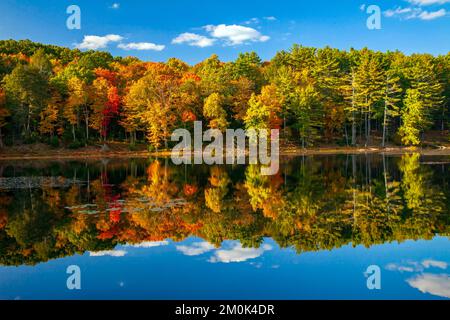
<point>65,154</point>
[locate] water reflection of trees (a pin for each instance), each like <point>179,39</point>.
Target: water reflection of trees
<point>312,204</point>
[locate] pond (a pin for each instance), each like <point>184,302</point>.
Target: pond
<point>148,229</point>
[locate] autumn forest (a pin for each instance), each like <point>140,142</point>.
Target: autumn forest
<point>71,98</point>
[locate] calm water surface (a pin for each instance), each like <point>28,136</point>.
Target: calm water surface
<point>146,229</point>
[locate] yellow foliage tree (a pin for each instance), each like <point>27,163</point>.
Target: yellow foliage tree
<point>151,102</point>
<point>78,99</point>
<point>214,111</point>
<point>100,88</point>
<point>49,116</point>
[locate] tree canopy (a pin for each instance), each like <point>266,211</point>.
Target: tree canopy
<point>316,96</point>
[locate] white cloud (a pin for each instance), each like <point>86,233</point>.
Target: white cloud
<point>413,266</point>
<point>252,21</point>
<point>257,265</point>
<point>434,263</point>
<point>98,42</point>
<point>435,284</point>
<point>196,249</point>
<point>112,253</point>
<point>148,244</point>
<point>193,39</point>
<point>229,34</point>
<point>141,46</point>
<point>115,6</point>
<point>400,268</point>
<point>425,15</point>
<point>428,2</point>
<point>238,254</point>
<point>414,13</point>
<point>235,34</point>
<point>258,20</point>
<point>398,11</point>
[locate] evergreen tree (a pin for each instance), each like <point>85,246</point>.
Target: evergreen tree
<point>369,89</point>
<point>327,74</point>
<point>424,78</point>
<point>392,97</point>
<point>415,118</point>
<point>27,92</point>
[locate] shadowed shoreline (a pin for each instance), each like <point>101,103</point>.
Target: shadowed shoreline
<point>92,153</point>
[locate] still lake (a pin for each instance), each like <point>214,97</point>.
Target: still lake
<point>147,229</point>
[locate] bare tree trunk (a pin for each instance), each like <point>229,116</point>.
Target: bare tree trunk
<point>384,125</point>
<point>365,128</point>
<point>353,130</point>
<point>28,122</point>
<point>346,134</point>
<point>86,121</point>
<point>166,146</point>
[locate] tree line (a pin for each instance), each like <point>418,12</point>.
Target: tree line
<point>357,97</point>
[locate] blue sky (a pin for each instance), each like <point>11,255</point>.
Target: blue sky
<point>193,30</point>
